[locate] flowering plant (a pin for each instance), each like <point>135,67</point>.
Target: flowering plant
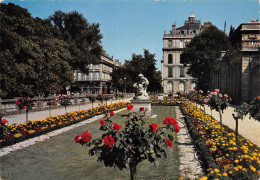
<point>128,146</point>
<point>3,122</point>
<point>100,97</point>
<point>25,103</point>
<point>64,100</point>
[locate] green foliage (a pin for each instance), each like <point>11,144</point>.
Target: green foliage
<point>83,39</point>
<point>139,64</point>
<point>132,144</point>
<point>202,51</point>
<point>253,109</point>
<point>33,60</point>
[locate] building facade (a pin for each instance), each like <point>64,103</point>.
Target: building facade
<point>237,72</point>
<point>174,74</point>
<point>99,78</point>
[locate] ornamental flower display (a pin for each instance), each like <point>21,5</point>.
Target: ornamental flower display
<point>130,107</point>
<point>3,125</point>
<point>64,100</point>
<point>25,103</point>
<point>100,97</point>
<point>128,146</point>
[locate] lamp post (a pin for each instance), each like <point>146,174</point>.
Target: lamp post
<point>125,84</point>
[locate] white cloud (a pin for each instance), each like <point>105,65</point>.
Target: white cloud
<point>164,0</point>
<point>1,1</point>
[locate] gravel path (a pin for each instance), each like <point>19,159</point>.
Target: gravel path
<point>248,128</point>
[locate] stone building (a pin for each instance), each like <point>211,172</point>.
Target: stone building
<point>174,76</point>
<point>99,78</point>
<point>237,72</point>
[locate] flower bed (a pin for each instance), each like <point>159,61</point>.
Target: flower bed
<point>20,132</point>
<point>167,101</point>
<point>231,160</point>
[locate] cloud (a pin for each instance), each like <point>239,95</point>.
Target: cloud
<point>164,0</point>
<point>1,1</point>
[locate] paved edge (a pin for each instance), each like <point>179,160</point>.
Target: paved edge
<point>21,145</point>
<point>189,167</point>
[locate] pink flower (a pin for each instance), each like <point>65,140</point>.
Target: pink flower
<point>220,95</point>
<point>216,90</point>
<point>208,92</point>
<point>205,100</point>
<point>211,93</point>
<point>200,91</point>
<point>25,107</point>
<point>117,127</point>
<point>215,93</point>
<point>16,102</point>
<point>3,121</point>
<point>226,96</point>
<point>154,127</point>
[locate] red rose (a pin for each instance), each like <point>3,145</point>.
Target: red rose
<point>177,128</point>
<point>154,127</point>
<point>170,120</point>
<point>258,98</point>
<point>86,136</point>
<point>78,138</point>
<point>24,107</point>
<point>116,127</point>
<point>141,108</point>
<point>130,106</point>
<point>112,113</point>
<point>168,142</point>
<point>3,121</point>
<point>16,102</point>
<point>109,141</point>
<point>102,122</point>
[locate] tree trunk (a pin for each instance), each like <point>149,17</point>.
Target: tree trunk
<point>92,104</point>
<point>66,109</point>
<point>132,171</point>
<point>236,130</point>
<point>220,117</point>
<point>27,112</point>
<point>50,110</point>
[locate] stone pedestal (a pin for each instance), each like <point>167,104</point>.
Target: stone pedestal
<point>145,103</point>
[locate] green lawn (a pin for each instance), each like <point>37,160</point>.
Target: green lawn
<point>61,158</point>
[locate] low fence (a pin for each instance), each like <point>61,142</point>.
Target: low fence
<point>9,106</point>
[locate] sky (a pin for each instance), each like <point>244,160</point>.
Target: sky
<point>130,26</point>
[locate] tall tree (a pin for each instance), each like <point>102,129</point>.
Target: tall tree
<point>139,64</point>
<point>84,39</point>
<point>32,60</point>
<point>202,51</point>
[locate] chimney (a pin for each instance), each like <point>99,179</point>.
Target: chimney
<point>207,24</point>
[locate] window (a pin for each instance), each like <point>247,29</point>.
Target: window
<point>182,74</point>
<point>181,43</point>
<point>170,73</point>
<point>170,43</point>
<point>90,76</point>
<point>91,66</point>
<point>170,86</point>
<point>181,86</point>
<point>169,58</point>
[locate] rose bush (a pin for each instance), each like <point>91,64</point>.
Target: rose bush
<point>128,146</point>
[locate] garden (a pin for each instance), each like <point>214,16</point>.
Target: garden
<point>128,144</point>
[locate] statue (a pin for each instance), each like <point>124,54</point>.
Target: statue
<point>141,87</point>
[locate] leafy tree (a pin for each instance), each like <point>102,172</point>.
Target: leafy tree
<point>202,51</point>
<point>32,60</point>
<point>139,64</point>
<point>84,39</point>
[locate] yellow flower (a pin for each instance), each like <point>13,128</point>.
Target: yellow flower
<point>240,167</point>
<point>236,168</point>
<point>224,174</point>
<point>181,178</point>
<point>252,168</point>
<point>236,161</point>
<point>216,170</point>
<point>31,131</point>
<point>204,178</point>
<point>230,172</point>
<point>18,135</point>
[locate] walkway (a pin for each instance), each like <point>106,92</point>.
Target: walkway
<point>248,128</point>
<point>40,115</point>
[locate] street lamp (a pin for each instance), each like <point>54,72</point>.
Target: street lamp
<point>125,84</point>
